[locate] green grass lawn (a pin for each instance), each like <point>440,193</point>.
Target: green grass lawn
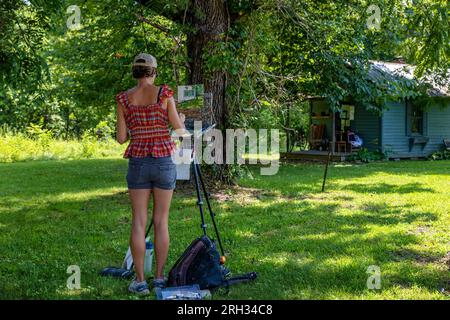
<point>304,244</point>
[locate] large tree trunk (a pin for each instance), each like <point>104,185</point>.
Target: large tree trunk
<point>209,22</point>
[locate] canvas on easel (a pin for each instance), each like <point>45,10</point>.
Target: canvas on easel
<point>195,104</point>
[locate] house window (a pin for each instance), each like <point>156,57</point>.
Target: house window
<point>415,119</point>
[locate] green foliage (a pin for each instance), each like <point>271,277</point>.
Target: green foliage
<point>103,131</point>
<point>24,28</point>
<point>274,54</point>
<point>40,144</point>
<point>443,154</point>
<point>85,68</point>
<point>42,136</point>
<point>364,155</point>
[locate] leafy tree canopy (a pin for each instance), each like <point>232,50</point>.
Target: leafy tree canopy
<point>273,53</point>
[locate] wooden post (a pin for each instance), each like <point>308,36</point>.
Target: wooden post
<point>333,132</point>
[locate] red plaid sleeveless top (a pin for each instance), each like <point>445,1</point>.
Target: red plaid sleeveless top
<point>149,127</point>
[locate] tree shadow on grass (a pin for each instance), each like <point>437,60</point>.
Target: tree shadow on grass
<point>292,246</point>
<point>406,168</point>
<point>299,248</point>
<point>310,251</point>
<point>386,188</point>
<point>43,239</point>
<point>301,179</point>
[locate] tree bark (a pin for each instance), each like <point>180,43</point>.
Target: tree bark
<point>209,22</point>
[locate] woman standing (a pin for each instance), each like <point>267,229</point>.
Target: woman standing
<point>143,115</point>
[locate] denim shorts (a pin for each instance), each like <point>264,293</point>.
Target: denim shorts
<point>150,172</point>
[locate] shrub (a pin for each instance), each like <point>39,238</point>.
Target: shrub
<point>364,155</point>
<point>40,144</point>
<point>88,145</point>
<point>103,131</point>
<point>440,155</point>
<point>40,135</point>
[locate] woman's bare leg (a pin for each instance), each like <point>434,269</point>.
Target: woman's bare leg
<point>139,204</point>
<point>161,206</point>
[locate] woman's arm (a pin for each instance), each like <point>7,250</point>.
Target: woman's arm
<point>122,131</point>
<point>176,120</point>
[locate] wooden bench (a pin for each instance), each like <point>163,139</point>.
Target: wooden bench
<point>422,141</point>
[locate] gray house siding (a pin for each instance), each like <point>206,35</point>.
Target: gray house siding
<point>368,126</point>
<point>438,127</point>
<point>393,133</point>
<point>395,138</point>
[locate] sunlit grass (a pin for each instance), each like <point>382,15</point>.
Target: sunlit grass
<point>304,244</point>
<point>20,147</point>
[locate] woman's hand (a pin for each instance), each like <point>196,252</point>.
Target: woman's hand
<point>182,117</point>
<point>177,120</point>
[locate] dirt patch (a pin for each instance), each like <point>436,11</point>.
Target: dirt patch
<point>249,195</point>
<point>235,193</point>
<point>407,254</point>
<point>222,193</point>
<point>222,196</point>
<point>349,205</point>
<point>446,260</point>
<point>421,258</point>
<point>373,207</point>
<point>242,195</point>
<point>421,230</point>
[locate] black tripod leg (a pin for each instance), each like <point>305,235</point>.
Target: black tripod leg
<point>326,169</point>
<point>211,213</point>
<point>148,229</point>
<point>199,196</point>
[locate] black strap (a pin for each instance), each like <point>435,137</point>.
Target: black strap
<point>159,93</point>
<point>240,279</point>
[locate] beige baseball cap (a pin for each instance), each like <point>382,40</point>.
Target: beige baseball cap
<point>150,61</point>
